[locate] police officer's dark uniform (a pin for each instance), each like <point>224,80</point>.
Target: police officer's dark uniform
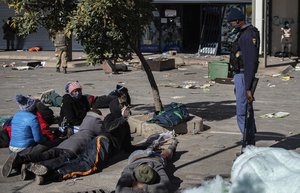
<point>244,64</point>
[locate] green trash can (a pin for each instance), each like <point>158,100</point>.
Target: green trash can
<point>217,69</point>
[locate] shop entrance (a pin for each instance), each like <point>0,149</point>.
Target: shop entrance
<point>211,22</point>
<point>191,28</point>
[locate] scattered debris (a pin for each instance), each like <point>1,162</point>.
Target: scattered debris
<point>189,73</point>
<point>178,97</point>
<point>286,78</point>
<point>166,75</point>
<point>23,68</point>
<point>224,80</point>
<point>35,49</point>
<point>276,75</point>
<point>271,85</point>
<point>12,64</point>
<point>188,85</point>
<point>206,90</point>
<point>204,86</point>
<point>182,69</point>
<point>275,115</point>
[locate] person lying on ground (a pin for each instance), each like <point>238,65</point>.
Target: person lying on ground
<point>91,126</point>
<point>119,135</point>
<point>146,171</point>
<point>93,158</point>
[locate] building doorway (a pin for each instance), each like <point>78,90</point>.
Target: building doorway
<point>191,28</point>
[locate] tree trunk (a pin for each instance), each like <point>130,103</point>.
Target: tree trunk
<point>155,92</point>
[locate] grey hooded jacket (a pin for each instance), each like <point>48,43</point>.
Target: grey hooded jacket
<point>91,126</point>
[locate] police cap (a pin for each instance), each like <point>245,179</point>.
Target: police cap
<point>235,14</point>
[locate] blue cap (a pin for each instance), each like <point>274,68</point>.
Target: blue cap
<point>235,14</point>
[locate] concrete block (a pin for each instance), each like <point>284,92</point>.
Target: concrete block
<point>108,66</point>
<point>139,125</point>
<point>160,64</point>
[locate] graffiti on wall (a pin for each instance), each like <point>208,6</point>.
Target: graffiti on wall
<point>279,21</point>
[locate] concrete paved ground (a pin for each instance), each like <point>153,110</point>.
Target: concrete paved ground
<point>199,156</point>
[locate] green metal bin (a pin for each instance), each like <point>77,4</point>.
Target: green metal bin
<point>217,69</point>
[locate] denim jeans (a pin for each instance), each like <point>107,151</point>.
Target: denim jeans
<point>241,108</point>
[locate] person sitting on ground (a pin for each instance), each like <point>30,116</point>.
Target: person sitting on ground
<point>146,171</point>
<point>74,107</point>
<point>115,100</point>
<point>26,129</point>
<point>69,148</point>
<point>26,135</point>
<point>45,117</point>
<point>111,141</point>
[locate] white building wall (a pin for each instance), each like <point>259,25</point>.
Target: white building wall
<point>40,38</point>
<point>259,20</point>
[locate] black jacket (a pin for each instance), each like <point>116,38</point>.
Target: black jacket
<point>73,110</point>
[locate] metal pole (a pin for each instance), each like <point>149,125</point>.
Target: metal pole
<point>265,33</point>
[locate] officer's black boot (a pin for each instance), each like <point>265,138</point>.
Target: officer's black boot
<point>65,70</point>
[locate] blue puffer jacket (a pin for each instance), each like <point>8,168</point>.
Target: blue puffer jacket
<point>25,130</point>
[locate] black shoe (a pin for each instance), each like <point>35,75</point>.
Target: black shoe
<point>57,69</point>
<point>9,164</point>
<point>37,169</point>
<point>173,145</point>
<point>40,180</point>
<point>65,70</point>
<point>25,174</point>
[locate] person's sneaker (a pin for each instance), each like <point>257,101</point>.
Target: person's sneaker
<point>25,174</point>
<point>9,164</point>
<point>173,145</point>
<point>40,180</point>
<point>37,169</point>
<point>45,96</point>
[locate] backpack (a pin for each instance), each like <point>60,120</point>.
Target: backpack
<point>5,132</point>
<point>172,115</point>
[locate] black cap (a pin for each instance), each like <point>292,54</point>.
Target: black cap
<point>235,14</point>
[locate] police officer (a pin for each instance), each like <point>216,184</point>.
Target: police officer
<point>244,63</point>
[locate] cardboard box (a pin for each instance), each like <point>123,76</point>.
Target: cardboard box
<point>160,64</point>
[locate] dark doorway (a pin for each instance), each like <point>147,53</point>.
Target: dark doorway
<point>211,21</point>
<point>191,28</point>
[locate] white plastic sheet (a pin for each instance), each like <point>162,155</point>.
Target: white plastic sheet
<point>259,170</point>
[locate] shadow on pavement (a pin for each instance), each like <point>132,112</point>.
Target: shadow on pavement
<point>213,111</point>
<point>175,181</point>
<point>83,70</point>
<point>289,143</point>
<point>206,157</point>
<point>209,111</point>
